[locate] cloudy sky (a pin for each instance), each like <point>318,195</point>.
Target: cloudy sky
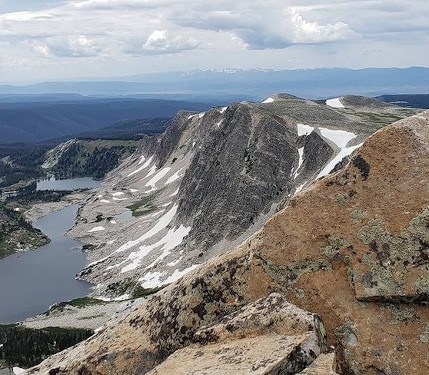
<point>57,39</point>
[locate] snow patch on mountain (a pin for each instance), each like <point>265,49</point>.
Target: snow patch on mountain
<point>340,137</point>
<point>96,229</point>
<point>268,100</point>
<point>342,154</point>
<point>300,161</point>
<point>141,168</point>
<point>153,279</point>
<point>174,177</point>
<point>304,129</point>
<point>158,176</point>
<point>174,193</point>
<point>334,103</point>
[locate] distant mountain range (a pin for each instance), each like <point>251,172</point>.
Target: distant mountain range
<point>29,122</point>
<point>243,84</point>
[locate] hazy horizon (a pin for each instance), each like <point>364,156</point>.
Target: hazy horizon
<point>51,40</point>
<point>184,72</point>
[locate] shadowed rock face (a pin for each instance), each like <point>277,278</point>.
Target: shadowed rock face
<point>351,248</point>
<point>242,169</point>
<point>222,174</point>
<point>316,152</point>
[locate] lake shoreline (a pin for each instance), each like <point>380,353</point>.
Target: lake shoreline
<point>39,210</point>
<point>32,281</point>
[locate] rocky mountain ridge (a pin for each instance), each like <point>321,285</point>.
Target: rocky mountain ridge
<point>212,180</point>
<point>352,248</point>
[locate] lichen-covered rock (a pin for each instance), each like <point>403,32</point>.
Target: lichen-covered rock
<point>261,355</point>
<point>339,249</point>
<point>270,336</point>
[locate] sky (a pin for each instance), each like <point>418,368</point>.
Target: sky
<point>44,40</point>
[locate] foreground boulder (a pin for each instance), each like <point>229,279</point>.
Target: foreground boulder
<point>353,248</point>
<point>270,336</point>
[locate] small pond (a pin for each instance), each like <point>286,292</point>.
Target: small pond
<point>68,184</point>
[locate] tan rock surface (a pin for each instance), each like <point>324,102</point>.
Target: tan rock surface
<point>322,365</point>
<point>270,336</point>
<point>353,248</point>
<point>262,355</point>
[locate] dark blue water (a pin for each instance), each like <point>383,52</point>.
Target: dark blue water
<point>68,184</point>
<point>32,281</point>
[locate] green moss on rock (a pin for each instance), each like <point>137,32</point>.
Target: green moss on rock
<point>286,275</point>
<point>357,213</point>
<point>390,258</point>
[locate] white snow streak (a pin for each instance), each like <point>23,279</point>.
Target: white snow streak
<point>174,177</point>
<point>340,137</point>
<point>301,160</point>
<point>304,129</point>
<point>223,109</point>
<point>174,262</point>
<point>161,224</point>
<point>144,166</point>
<point>160,174</point>
<point>152,170</point>
<point>178,274</point>
<point>96,229</point>
<point>268,100</point>
<point>175,192</point>
<point>172,239</point>
<point>152,279</point>
<point>342,154</point>
<point>163,221</point>
<point>299,188</point>
<point>334,103</point>
<point>123,297</point>
<point>104,201</point>
<point>142,159</point>
<point>118,193</point>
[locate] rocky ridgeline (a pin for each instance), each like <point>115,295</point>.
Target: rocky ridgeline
<point>353,249</point>
<point>212,180</point>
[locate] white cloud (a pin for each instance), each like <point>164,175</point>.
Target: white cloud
<point>161,42</point>
<point>121,4</point>
<point>313,32</point>
<point>266,26</point>
<point>71,46</point>
<point>138,34</point>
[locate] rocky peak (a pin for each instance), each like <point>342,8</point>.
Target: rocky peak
<point>351,248</point>
<point>208,183</point>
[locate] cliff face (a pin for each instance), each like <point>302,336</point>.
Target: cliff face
<point>352,248</point>
<point>212,180</point>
